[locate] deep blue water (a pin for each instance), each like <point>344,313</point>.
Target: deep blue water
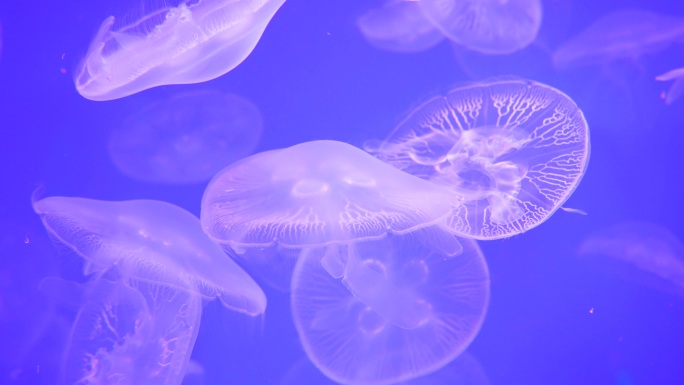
<point>553,318</point>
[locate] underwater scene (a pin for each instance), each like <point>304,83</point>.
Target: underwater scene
<point>359,192</point>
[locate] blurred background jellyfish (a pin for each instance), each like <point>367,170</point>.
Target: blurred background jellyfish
<point>676,90</point>
<point>180,43</point>
<point>512,150</point>
<point>645,253</point>
<point>488,26</point>
<point>399,26</point>
<point>128,333</point>
<point>149,241</point>
<point>621,35</point>
<point>265,208</point>
<point>355,342</point>
<point>187,138</point>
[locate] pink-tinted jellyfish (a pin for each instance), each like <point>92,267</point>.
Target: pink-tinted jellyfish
<point>354,340</point>
<point>646,253</point>
<point>190,42</point>
<point>316,194</point>
<point>623,34</point>
<point>187,138</point>
<point>512,150</point>
<point>153,242</point>
<point>488,26</point>
<point>128,332</point>
<point>676,90</point>
<point>399,26</point>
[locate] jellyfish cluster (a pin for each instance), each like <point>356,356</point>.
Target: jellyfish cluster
<point>376,244</point>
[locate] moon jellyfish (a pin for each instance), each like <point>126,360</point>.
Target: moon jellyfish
<point>624,34</point>
<point>130,333</point>
<point>153,242</point>
<point>189,41</point>
<point>488,26</point>
<point>399,26</point>
<point>187,138</point>
<point>677,88</point>
<point>315,194</point>
<point>512,150</point>
<point>356,342</point>
<point>646,253</point>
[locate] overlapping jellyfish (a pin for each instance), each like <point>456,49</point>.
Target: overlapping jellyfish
<point>187,138</point>
<point>511,152</point>
<point>622,35</point>
<point>150,268</point>
<point>188,42</point>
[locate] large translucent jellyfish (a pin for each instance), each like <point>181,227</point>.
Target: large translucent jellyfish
<point>188,41</point>
<point>129,333</point>
<point>399,26</point>
<point>187,138</point>
<point>315,194</point>
<point>153,242</point>
<point>357,342</point>
<point>512,150</point>
<point>624,34</point>
<point>646,253</point>
<point>677,88</point>
<point>489,26</point>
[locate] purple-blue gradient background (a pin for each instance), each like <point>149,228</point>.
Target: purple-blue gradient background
<point>314,77</point>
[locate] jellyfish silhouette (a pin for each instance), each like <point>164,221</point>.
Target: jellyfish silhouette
<point>149,241</point>
<point>357,342</point>
<point>268,206</point>
<point>399,26</point>
<point>187,138</point>
<point>128,332</point>
<point>620,35</point>
<point>512,150</point>
<point>645,253</point>
<point>487,26</point>
<point>192,42</point>
<point>676,90</point>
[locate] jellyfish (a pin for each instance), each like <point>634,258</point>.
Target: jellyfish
<point>399,26</point>
<point>488,26</point>
<point>153,242</point>
<point>677,88</point>
<point>646,253</point>
<point>192,42</point>
<point>128,332</point>
<point>624,34</point>
<point>512,150</point>
<point>187,138</point>
<point>265,208</point>
<point>357,342</point>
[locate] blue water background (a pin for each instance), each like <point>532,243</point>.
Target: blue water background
<point>552,319</point>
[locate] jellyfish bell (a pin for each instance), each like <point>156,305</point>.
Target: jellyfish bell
<point>192,42</point>
<point>150,241</point>
<point>491,27</point>
<point>512,150</point>
<point>418,309</point>
<point>315,194</point>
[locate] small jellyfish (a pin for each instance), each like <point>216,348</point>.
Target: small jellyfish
<point>187,138</point>
<point>357,342</point>
<point>193,42</point>
<point>623,34</point>
<point>643,252</point>
<point>123,336</point>
<point>150,241</point>
<point>512,150</point>
<point>491,27</point>
<point>399,26</point>
<point>677,88</point>
<point>315,194</point>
